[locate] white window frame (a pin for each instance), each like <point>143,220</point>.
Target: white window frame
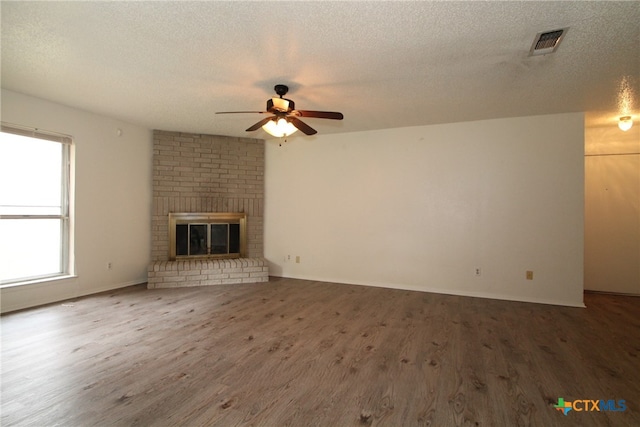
<point>66,215</point>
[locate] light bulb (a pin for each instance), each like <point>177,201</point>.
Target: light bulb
<point>625,123</point>
<point>279,127</point>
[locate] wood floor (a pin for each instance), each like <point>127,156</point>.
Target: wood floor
<point>303,353</point>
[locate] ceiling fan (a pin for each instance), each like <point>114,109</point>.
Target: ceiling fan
<point>284,120</point>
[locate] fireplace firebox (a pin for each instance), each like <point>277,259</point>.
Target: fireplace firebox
<point>207,235</point>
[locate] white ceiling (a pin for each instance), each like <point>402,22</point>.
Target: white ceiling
<point>171,65</point>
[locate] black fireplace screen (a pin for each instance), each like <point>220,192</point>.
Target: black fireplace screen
<point>207,239</point>
<point>207,235</point>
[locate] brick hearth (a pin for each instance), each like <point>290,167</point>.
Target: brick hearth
<point>173,274</point>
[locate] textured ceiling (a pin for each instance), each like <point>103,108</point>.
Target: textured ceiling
<point>171,65</point>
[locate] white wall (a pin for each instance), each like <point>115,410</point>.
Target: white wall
<point>112,200</point>
<point>420,208</point>
<point>612,210</point>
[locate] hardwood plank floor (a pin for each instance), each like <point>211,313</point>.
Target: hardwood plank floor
<point>304,353</point>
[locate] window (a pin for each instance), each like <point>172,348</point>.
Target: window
<point>35,223</point>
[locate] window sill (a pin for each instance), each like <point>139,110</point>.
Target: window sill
<point>38,281</point>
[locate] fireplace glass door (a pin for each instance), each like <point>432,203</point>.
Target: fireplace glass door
<point>214,236</point>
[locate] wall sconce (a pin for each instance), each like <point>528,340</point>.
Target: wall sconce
<point>279,127</point>
<point>625,123</point>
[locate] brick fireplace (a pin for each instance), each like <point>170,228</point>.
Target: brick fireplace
<point>196,173</point>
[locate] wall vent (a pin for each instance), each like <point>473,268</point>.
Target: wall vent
<point>547,42</point>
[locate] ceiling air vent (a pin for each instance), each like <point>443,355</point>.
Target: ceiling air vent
<point>547,42</point>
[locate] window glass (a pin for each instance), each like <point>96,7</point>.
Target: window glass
<point>30,248</point>
<point>31,176</point>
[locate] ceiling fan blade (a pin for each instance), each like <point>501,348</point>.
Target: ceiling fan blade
<point>259,124</point>
<point>302,126</point>
<point>242,112</point>
<point>334,115</point>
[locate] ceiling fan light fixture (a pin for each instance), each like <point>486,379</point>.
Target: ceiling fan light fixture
<point>279,127</point>
<point>625,123</point>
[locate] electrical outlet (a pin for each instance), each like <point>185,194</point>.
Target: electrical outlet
<point>478,271</point>
<point>529,275</point>
<point>109,266</point>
